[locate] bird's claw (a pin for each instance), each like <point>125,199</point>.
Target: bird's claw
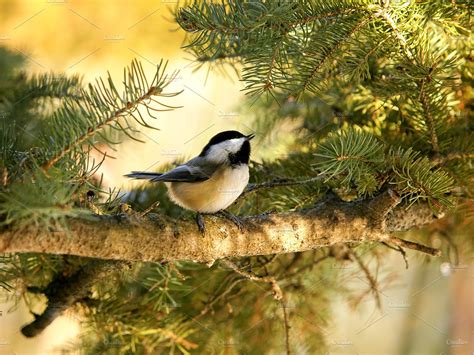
<point>234,219</point>
<point>200,223</point>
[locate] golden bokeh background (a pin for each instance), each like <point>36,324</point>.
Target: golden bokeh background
<point>93,37</point>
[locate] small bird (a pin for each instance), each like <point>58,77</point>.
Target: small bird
<point>212,181</point>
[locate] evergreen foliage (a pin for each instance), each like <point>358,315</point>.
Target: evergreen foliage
<point>381,97</point>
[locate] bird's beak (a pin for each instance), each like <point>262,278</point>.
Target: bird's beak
<point>250,136</point>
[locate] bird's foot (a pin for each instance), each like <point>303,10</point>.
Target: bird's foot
<point>200,223</point>
<point>233,218</point>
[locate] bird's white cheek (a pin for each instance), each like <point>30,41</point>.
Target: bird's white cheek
<point>220,152</point>
<point>217,154</point>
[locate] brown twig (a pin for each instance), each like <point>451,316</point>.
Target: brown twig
<point>188,345</point>
<point>372,281</point>
<point>305,267</point>
<point>442,159</point>
<point>414,246</point>
<point>429,118</point>
<point>149,209</point>
<point>287,327</point>
<point>276,291</point>
<point>400,250</point>
<point>216,298</point>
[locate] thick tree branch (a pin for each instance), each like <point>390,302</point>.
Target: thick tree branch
<point>159,238</point>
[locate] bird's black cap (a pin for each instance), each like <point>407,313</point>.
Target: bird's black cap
<point>224,136</point>
<point>240,157</point>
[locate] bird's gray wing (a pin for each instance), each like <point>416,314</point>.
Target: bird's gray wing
<point>142,175</point>
<point>194,170</point>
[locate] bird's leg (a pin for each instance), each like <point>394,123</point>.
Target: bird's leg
<point>200,223</point>
<point>233,218</point>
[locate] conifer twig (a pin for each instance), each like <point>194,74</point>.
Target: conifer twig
<point>400,250</point>
<point>388,18</point>
<point>442,159</point>
<point>188,345</point>
<point>372,281</point>
<point>287,327</point>
<point>276,291</point>
<point>305,267</point>
<point>215,299</point>
<point>414,246</point>
<point>92,130</point>
<point>423,99</point>
<point>329,53</point>
<point>429,118</point>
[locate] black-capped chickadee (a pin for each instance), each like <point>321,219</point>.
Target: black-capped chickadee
<point>212,181</point>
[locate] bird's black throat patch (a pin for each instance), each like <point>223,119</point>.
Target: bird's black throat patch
<point>242,156</point>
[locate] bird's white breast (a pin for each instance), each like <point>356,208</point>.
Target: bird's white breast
<point>215,194</point>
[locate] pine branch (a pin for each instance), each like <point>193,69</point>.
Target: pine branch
<point>385,14</point>
<point>429,118</point>
<point>157,238</point>
<point>268,83</point>
<point>423,96</point>
<point>328,54</point>
<point>358,157</point>
<point>91,131</point>
<point>269,37</point>
<point>414,178</point>
<point>102,106</point>
<point>235,18</point>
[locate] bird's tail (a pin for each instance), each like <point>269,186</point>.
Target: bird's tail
<point>143,175</point>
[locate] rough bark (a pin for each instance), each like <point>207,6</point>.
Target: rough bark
<point>158,238</point>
